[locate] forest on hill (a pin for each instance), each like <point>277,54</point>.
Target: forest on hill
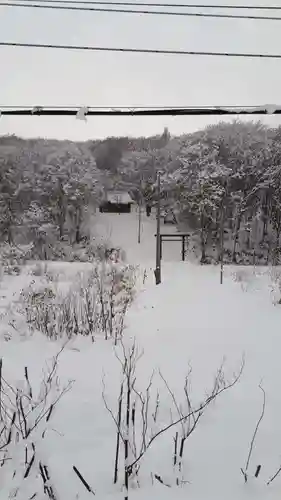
<point>221,183</point>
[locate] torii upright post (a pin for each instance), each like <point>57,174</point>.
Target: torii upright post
<point>157,270</point>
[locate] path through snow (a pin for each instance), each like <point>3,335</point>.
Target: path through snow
<point>122,230</point>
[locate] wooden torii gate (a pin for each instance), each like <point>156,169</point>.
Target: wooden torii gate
<point>183,237</point>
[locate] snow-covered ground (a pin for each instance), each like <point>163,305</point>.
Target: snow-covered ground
<point>123,231</point>
<point>190,320</point>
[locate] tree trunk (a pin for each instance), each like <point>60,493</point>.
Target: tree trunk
<point>126,439</point>
<point>203,242</point>
<point>235,239</point>
<point>78,221</point>
<point>276,249</point>
<point>77,234</point>
<point>265,217</point>
<point>10,233</point>
<point>222,243</point>
<point>61,209</point>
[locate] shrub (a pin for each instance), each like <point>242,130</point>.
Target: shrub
<point>97,304</point>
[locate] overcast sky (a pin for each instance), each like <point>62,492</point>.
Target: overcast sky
<point>59,77</point>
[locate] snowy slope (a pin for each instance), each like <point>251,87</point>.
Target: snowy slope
<point>190,319</point>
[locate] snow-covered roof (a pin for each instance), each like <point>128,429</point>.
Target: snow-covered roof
<point>119,197</point>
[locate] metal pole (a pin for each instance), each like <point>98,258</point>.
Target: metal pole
<point>157,270</point>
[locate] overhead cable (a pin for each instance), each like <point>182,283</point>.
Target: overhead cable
<point>170,5</point>
<point>138,12</point>
<point>83,112</point>
<point>167,52</point>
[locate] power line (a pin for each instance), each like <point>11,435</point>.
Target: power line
<point>175,6</point>
<point>138,12</point>
<point>129,111</point>
<point>141,51</point>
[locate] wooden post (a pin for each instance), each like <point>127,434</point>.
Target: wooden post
<point>183,247</point>
<point>140,199</point>
<point>157,271</point>
<point>139,224</point>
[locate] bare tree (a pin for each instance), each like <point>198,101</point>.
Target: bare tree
<point>24,421</point>
<point>137,439</point>
<point>187,426</point>
<point>115,291</point>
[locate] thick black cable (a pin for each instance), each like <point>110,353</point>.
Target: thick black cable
<point>170,5</point>
<point>188,111</point>
<point>167,52</point>
<point>138,12</point>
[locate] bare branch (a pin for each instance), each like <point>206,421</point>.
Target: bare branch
<point>144,400</point>
<point>245,471</point>
<point>110,410</point>
<point>1,366</point>
<point>55,363</point>
<point>173,398</point>
<point>119,419</point>
<point>274,476</point>
<point>46,412</point>
<point>158,478</point>
<point>194,412</point>
<point>83,480</point>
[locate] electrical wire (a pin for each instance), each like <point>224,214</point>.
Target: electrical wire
<point>138,12</point>
<point>141,51</point>
<point>129,111</point>
<point>174,6</point>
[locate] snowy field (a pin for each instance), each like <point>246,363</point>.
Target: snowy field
<point>189,326</point>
